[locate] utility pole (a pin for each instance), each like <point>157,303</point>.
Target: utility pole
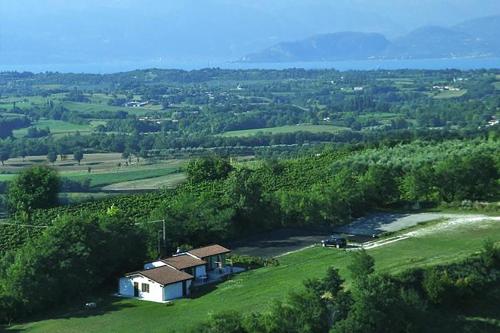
<point>164,236</point>
<point>159,244</point>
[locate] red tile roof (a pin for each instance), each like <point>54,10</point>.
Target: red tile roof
<point>208,251</point>
<point>183,261</point>
<point>164,275</point>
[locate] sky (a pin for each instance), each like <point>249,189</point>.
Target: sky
<point>63,31</point>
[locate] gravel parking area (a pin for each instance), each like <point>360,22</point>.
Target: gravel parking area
<point>379,223</point>
<point>283,241</point>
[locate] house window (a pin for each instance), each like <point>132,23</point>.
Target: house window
<point>145,288</point>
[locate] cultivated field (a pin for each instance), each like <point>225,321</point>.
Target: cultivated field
<point>288,129</point>
<point>107,173</point>
<point>169,181</point>
<point>431,244</point>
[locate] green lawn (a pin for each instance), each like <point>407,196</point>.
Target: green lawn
<point>254,290</point>
<point>287,129</point>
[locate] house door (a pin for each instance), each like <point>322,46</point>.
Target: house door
<point>184,288</point>
<point>136,289</point>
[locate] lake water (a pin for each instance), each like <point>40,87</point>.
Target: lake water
<point>112,67</point>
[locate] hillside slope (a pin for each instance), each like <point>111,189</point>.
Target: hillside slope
<point>433,244</point>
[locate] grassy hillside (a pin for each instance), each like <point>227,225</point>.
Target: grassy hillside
<point>252,291</point>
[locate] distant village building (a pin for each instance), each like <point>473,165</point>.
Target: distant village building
<point>136,104</point>
<point>171,278</point>
<point>493,121</point>
<point>445,88</point>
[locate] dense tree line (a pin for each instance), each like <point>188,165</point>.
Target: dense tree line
<point>169,145</point>
<point>9,124</point>
<point>76,251</point>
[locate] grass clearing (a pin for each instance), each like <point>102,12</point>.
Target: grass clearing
<point>450,94</point>
<point>287,129</point>
<point>254,290</point>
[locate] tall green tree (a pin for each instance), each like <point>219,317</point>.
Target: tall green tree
<point>208,168</point>
<point>4,154</point>
<point>35,187</point>
<point>52,156</point>
<point>362,265</point>
<point>78,155</point>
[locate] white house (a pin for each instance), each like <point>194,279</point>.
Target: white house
<point>158,284</point>
<point>172,277</point>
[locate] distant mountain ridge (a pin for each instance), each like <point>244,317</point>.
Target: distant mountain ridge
<point>335,46</point>
<point>473,38</point>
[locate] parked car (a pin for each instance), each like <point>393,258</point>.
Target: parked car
<point>338,242</point>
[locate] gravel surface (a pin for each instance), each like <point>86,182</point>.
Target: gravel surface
<point>379,223</point>
<point>285,241</point>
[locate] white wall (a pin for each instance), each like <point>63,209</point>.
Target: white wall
<point>173,291</point>
<point>155,290</point>
<point>154,264</point>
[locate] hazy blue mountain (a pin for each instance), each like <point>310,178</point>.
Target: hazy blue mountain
<point>478,37</point>
<point>62,31</point>
<point>326,47</point>
<point>474,38</point>
<point>436,42</point>
<point>486,29</point>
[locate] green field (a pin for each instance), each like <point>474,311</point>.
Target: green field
<point>169,181</point>
<point>254,290</point>
<point>450,94</point>
<point>115,176</point>
<point>287,129</point>
<point>103,179</point>
<point>107,169</point>
<point>59,127</point>
<point>99,107</point>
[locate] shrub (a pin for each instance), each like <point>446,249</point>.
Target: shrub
<point>251,262</point>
